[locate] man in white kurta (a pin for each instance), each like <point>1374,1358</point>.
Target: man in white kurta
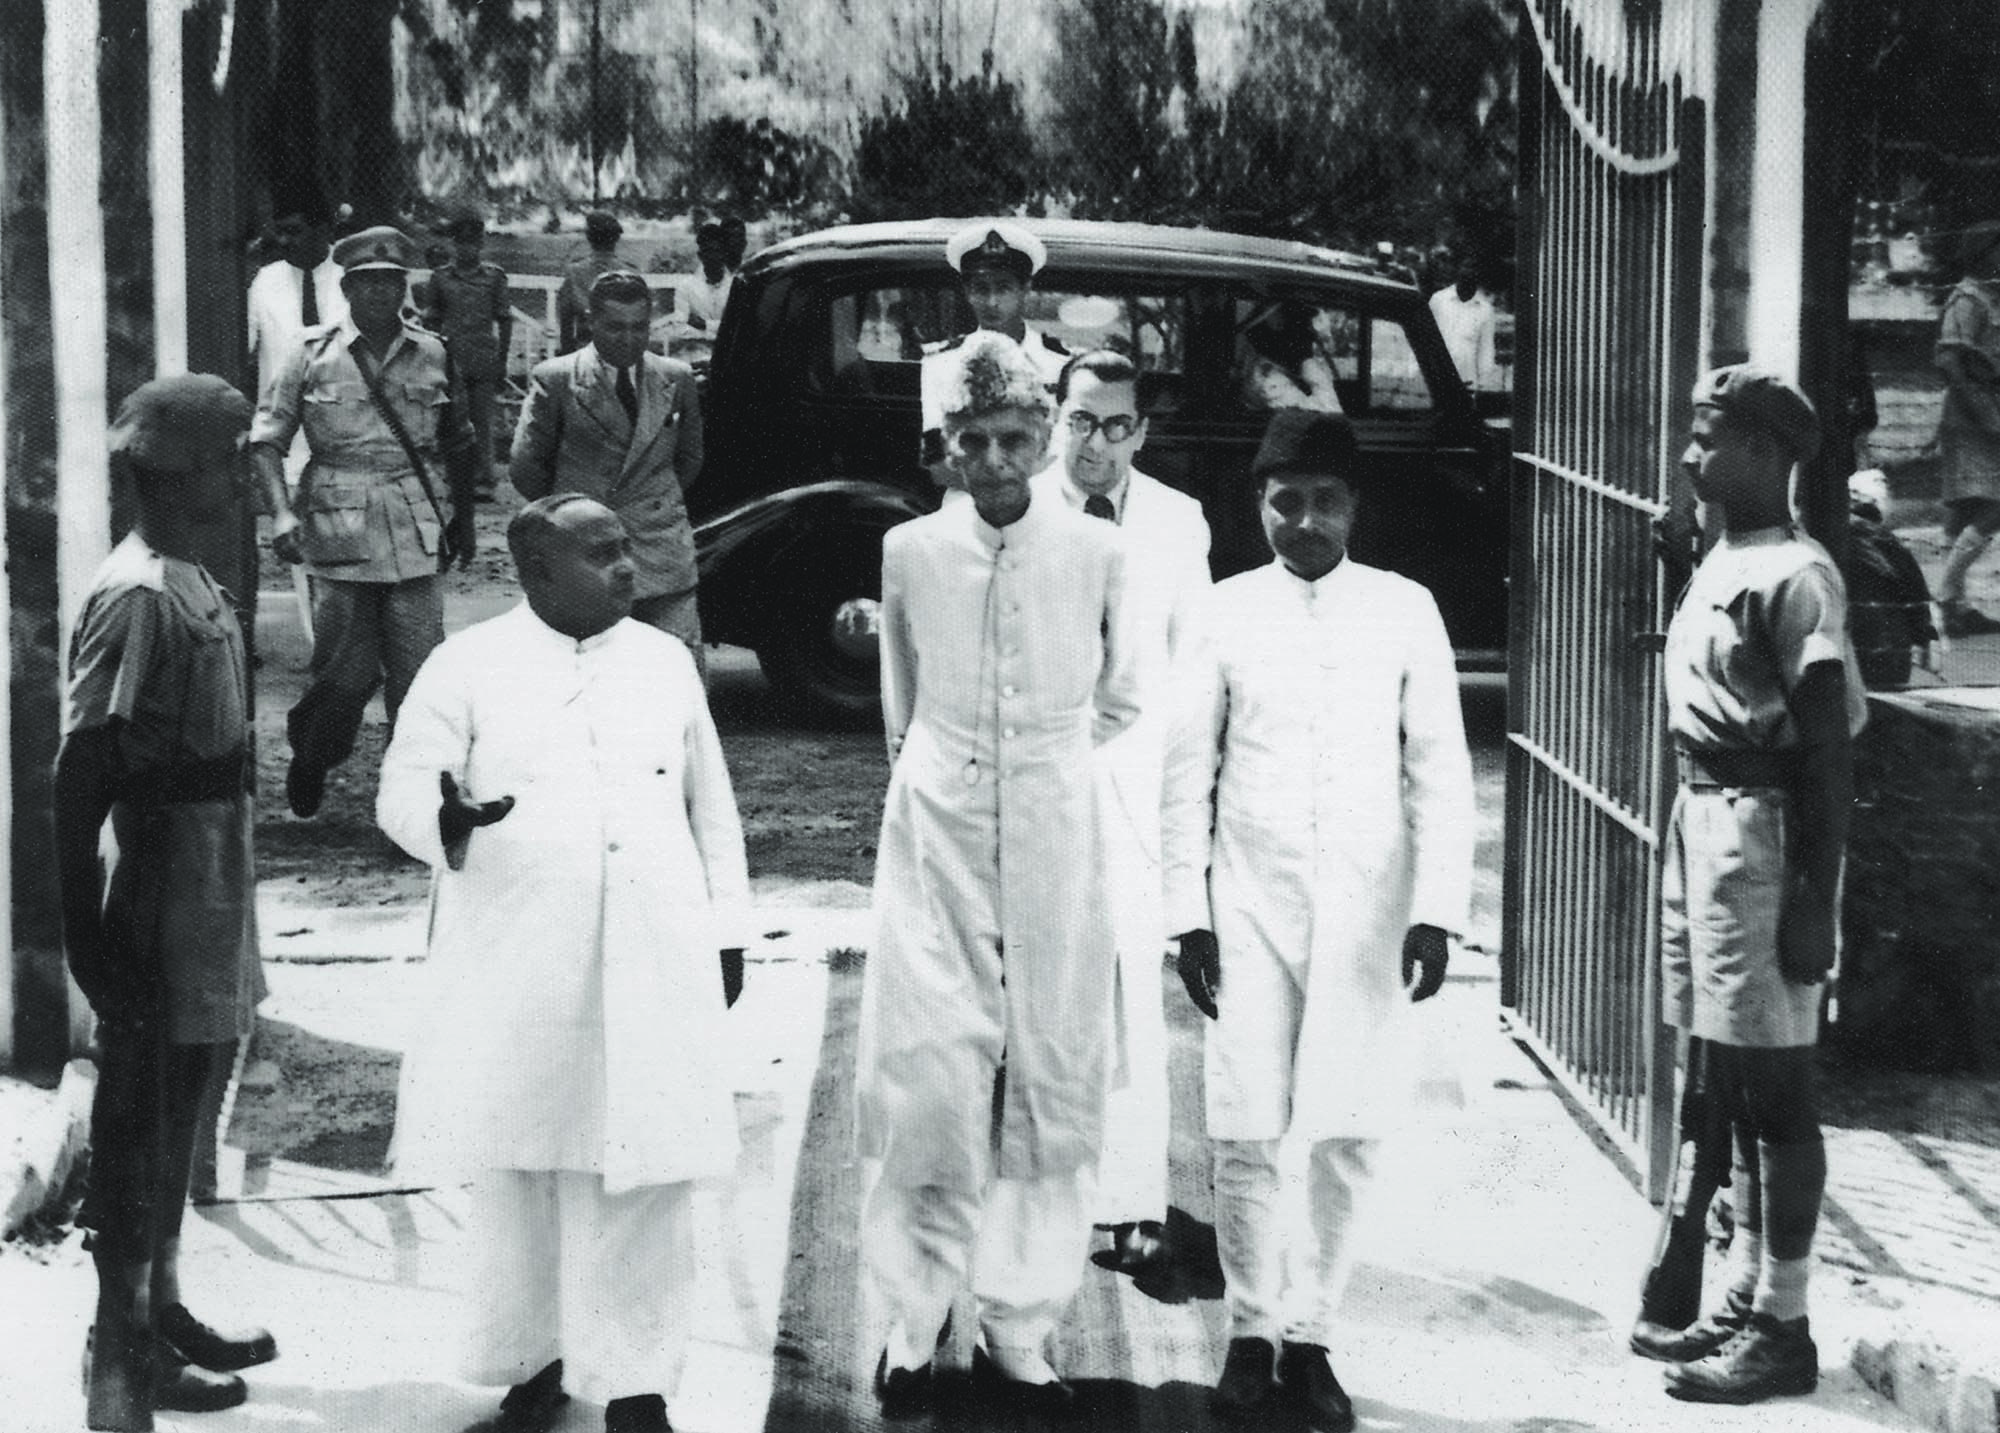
<point>1166,565</point>
<point>588,869</point>
<point>985,1020</point>
<point>1329,737</point>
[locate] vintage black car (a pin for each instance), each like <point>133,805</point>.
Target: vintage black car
<point>813,430</point>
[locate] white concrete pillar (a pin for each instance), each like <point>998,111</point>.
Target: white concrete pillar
<point>166,174</point>
<point>1777,219</point>
<point>6,698</point>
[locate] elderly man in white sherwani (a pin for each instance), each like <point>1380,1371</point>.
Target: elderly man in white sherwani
<point>985,1017</point>
<point>1166,566</point>
<point>557,767</point>
<point>1330,741</point>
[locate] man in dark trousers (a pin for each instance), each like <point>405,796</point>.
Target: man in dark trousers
<point>164,943</point>
<point>622,425</point>
<point>1763,698</point>
<point>384,505</point>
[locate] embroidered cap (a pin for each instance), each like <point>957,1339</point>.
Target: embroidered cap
<point>382,247</point>
<point>996,244</point>
<point>1746,394</point>
<point>176,424</point>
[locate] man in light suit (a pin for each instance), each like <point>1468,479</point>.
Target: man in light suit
<point>622,425</point>
<point>1166,549</point>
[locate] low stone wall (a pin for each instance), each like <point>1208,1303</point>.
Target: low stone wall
<point>1920,982</point>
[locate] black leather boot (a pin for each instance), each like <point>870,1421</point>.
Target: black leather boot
<point>1249,1378</point>
<point>220,1351</point>
<point>182,1387</point>
<point>1770,1358</point>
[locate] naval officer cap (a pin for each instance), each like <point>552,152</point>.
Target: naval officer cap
<point>180,423</point>
<point>1300,442</point>
<point>996,244</point>
<point>1758,398</point>
<point>382,247</point>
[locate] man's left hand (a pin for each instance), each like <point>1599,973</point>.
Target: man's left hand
<point>1428,948</point>
<point>1806,932</point>
<point>732,974</point>
<point>462,537</point>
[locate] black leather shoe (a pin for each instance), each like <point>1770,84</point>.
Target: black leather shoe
<point>1249,1378</point>
<point>305,788</point>
<point>181,1387</point>
<point>211,1348</point>
<point>902,1392</point>
<point>1769,1358</point>
<point>1962,619</point>
<point>1305,1374</point>
<point>530,1407</point>
<point>1055,1400</point>
<point>1136,1249</point>
<point>1698,1340</point>
<point>641,1413</point>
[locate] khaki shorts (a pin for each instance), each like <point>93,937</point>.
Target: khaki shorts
<point>1720,891</point>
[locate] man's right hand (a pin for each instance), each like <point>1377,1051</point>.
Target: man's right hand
<point>1200,962</point>
<point>458,818</point>
<point>285,542</point>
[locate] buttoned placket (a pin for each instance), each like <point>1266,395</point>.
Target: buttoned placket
<point>581,706</point>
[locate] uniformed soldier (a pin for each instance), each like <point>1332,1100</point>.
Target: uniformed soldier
<point>164,944</point>
<point>1763,697</point>
<point>384,415</point>
<point>996,262</point>
<point>468,308</point>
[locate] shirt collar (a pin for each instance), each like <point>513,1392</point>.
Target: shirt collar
<point>1312,592</point>
<point>1075,496</point>
<point>562,640</point>
<point>349,331</point>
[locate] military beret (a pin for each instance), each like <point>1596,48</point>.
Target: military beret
<point>995,243</point>
<point>1759,398</point>
<point>176,424</point>
<point>382,247</point>
<point>601,226</point>
<point>1305,440</point>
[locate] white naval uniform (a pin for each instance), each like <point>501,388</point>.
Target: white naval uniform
<point>1005,656</point>
<point>568,1056</point>
<point>1166,570</point>
<point>1328,730</point>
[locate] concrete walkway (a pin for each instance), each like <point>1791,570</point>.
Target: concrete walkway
<point>1494,1294</point>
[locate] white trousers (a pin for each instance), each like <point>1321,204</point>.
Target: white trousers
<point>1132,1171</point>
<point>1275,1291</point>
<point>560,1269</point>
<point>1023,1244</point>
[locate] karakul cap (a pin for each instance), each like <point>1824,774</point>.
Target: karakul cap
<point>382,247</point>
<point>1304,440</point>
<point>996,243</point>
<point>1755,396</point>
<point>175,425</point>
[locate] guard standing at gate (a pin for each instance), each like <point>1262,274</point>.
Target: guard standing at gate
<point>385,418</point>
<point>1763,698</point>
<point>164,944</point>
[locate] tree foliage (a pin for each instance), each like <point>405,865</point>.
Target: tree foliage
<point>951,146</point>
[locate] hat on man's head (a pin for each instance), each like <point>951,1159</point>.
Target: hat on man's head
<point>1744,393</point>
<point>382,247</point>
<point>601,227</point>
<point>176,424</point>
<point>996,244</point>
<point>1299,441</point>
<point>465,224</point>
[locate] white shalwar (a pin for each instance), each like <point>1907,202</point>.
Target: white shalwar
<point>1166,575</point>
<point>1329,733</point>
<point>568,1058</point>
<point>1005,656</point>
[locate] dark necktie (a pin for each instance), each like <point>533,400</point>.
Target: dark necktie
<point>308,299</point>
<point>628,395</point>
<point>1098,505</point>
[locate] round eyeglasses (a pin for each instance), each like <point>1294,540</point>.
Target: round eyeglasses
<point>1116,429</point>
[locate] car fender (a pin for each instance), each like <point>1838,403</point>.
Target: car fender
<point>734,550</point>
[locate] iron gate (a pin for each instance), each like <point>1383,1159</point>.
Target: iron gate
<point>1612,200</point>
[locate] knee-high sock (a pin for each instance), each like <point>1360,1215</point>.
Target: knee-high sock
<point>1671,1294</point>
<point>1746,1199</point>
<point>1794,1184</point>
<point>1966,549</point>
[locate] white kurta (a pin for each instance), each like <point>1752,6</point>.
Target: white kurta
<point>1343,813</point>
<point>1166,565</point>
<point>574,1020</point>
<point>1002,650</point>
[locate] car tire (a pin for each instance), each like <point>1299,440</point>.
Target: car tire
<point>821,664</point>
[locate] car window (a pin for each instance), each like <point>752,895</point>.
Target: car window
<point>1294,354</point>
<point>874,338</point>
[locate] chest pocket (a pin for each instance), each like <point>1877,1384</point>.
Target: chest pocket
<point>421,408</point>
<point>336,524</point>
<point>212,707</point>
<point>334,414</point>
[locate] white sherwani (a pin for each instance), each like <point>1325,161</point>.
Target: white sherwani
<point>1166,563</point>
<point>1003,652</point>
<point>573,1025</point>
<point>1330,736</point>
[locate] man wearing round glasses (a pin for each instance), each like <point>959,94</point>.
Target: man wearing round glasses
<point>1166,544</point>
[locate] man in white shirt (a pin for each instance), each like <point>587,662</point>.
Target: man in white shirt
<point>557,768</point>
<point>1319,855</point>
<point>298,291</point>
<point>1465,317</point>
<point>1166,550</point>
